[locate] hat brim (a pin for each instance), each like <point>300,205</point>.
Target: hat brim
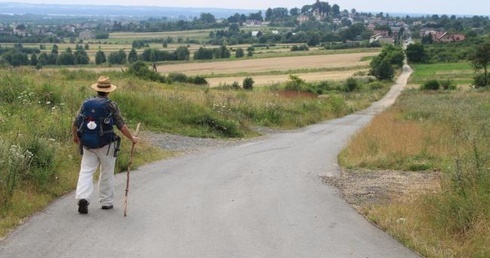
<point>96,87</point>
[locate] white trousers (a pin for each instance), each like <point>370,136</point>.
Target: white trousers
<point>91,160</point>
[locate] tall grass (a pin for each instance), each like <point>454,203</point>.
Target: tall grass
<point>446,133</point>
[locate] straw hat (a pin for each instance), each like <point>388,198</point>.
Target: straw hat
<point>103,85</point>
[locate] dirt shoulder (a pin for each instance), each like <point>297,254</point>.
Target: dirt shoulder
<point>364,187</point>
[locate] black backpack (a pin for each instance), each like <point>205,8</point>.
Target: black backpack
<point>96,123</point>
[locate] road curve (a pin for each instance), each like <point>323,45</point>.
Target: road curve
<point>263,198</point>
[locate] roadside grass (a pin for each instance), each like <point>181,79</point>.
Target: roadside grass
<point>439,132</point>
<point>39,162</point>
<point>460,73</point>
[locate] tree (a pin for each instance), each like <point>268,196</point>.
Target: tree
<point>207,18</point>
<point>480,59</point>
<point>256,16</point>
<point>294,11</point>
<point>182,53</point>
<point>314,39</point>
<point>222,52</point>
<point>203,53</point>
<point>239,53</point>
<point>66,58</point>
<point>133,56</point>
<point>118,57</point>
<point>268,14</point>
<point>43,58</point>
<point>416,53</point>
<point>54,50</point>
<point>384,71</point>
<point>100,57</point>
<point>34,60</point>
<point>382,65</point>
<point>336,10</point>
<point>16,58</point>
<point>81,57</point>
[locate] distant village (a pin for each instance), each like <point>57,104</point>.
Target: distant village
<point>87,30</point>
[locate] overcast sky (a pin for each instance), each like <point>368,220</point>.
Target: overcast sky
<point>449,7</point>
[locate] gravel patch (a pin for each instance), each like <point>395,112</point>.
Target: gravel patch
<point>364,187</point>
<point>187,144</point>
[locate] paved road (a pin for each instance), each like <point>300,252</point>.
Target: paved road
<point>259,199</point>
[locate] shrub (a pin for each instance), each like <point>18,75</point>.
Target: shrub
<point>447,84</point>
<point>227,128</point>
<point>479,80</point>
<point>199,80</point>
<point>431,85</point>
<point>295,83</point>
<point>351,84</point>
<point>141,70</point>
<point>248,83</point>
<point>178,77</point>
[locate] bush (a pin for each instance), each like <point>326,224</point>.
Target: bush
<point>178,77</point>
<point>300,48</point>
<point>199,80</point>
<point>295,83</point>
<point>479,80</point>
<point>447,84</point>
<point>431,85</point>
<point>351,84</point>
<point>141,70</point>
<point>227,128</point>
<point>248,83</point>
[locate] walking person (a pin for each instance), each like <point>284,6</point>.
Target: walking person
<point>93,130</point>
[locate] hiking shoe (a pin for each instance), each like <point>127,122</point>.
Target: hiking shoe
<point>83,206</point>
<point>107,207</point>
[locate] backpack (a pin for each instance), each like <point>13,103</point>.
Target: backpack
<point>96,123</point>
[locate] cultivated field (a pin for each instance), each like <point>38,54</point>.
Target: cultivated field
<point>263,80</point>
<point>267,71</point>
<point>275,70</point>
<point>278,64</point>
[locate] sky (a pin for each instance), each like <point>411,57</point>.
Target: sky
<point>449,7</point>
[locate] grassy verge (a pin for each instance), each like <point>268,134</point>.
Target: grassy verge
<point>439,132</point>
<point>38,161</point>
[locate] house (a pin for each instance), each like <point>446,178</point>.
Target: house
<point>253,23</point>
<point>86,34</point>
<point>383,40</point>
<point>450,37</point>
<point>384,33</point>
<point>443,37</point>
<point>302,18</point>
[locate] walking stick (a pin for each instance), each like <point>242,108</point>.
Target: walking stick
<point>129,168</point>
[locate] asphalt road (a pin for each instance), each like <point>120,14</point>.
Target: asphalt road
<point>263,198</point>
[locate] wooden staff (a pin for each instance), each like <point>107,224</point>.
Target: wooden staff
<point>129,168</point>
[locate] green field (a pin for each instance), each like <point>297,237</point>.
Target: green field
<point>460,73</point>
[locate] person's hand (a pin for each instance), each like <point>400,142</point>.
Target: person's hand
<point>135,139</point>
<point>76,139</point>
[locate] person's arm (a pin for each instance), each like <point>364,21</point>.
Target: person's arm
<point>125,131</point>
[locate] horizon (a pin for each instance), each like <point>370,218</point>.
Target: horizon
<point>471,8</point>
